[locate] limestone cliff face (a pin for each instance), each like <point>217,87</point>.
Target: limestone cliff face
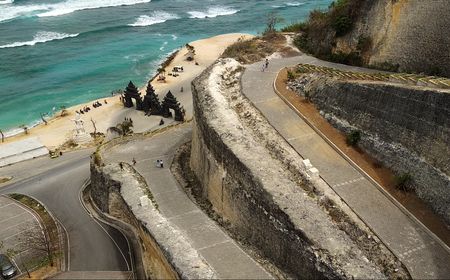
<point>411,33</point>
<point>256,183</point>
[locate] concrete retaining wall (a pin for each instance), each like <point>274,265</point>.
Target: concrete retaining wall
<point>21,150</point>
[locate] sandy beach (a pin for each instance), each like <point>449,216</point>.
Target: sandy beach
<point>60,129</point>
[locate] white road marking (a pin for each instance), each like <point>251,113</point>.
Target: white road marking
<point>299,137</point>
<point>2,221</point>
<point>4,229</point>
<point>17,233</point>
<point>348,182</point>
<point>6,205</point>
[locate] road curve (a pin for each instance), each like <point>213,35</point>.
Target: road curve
<point>91,247</point>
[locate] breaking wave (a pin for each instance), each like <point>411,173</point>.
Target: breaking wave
<point>4,2</point>
<point>154,18</point>
<point>294,4</point>
<point>62,8</point>
<point>40,37</point>
<point>213,12</point>
<point>288,4</point>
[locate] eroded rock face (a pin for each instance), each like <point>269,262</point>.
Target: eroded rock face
<point>255,182</point>
<point>407,128</point>
<point>411,33</point>
<point>165,252</point>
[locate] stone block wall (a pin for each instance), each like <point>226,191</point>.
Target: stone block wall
<point>407,128</point>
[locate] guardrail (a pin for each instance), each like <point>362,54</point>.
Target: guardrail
<point>403,78</point>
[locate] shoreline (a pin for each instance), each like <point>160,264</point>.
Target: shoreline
<point>16,131</point>
<point>59,129</point>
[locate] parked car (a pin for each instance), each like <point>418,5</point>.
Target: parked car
<point>8,270</point>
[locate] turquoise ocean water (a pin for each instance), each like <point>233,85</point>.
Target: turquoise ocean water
<point>66,52</point>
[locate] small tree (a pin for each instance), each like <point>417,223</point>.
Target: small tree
<point>63,111</point>
<point>272,20</point>
<point>43,119</point>
<point>38,240</point>
<point>95,127</point>
<point>25,128</point>
<point>124,128</point>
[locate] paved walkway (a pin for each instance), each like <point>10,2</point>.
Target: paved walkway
<point>423,256</point>
<point>218,249</point>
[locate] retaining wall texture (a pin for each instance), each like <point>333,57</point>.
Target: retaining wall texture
<point>411,33</point>
<point>406,128</point>
<point>165,252</point>
<point>251,190</point>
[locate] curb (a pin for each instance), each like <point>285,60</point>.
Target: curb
<point>98,215</point>
<point>354,165</point>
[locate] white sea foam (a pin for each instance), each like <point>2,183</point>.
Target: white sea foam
<point>174,37</point>
<point>18,130</point>
<point>4,2</point>
<point>71,6</point>
<point>294,4</point>
<point>40,37</point>
<point>61,8</point>
<point>14,11</point>
<point>154,18</point>
<point>288,4</point>
<point>212,12</point>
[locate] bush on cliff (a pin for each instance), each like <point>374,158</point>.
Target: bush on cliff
<point>319,32</point>
<point>404,182</point>
<point>353,138</point>
<point>252,50</point>
<point>295,27</point>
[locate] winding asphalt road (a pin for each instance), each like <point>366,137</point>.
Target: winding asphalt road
<point>57,184</point>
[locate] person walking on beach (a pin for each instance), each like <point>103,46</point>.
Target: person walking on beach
<point>266,64</point>
<point>134,161</point>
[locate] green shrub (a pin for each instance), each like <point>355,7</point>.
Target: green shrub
<point>290,75</point>
<point>385,66</point>
<point>435,71</point>
<point>301,42</point>
<point>296,27</point>
<point>353,137</point>
<point>239,49</point>
<point>97,159</point>
<point>404,182</point>
<point>364,43</point>
<point>352,58</point>
<point>342,25</point>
